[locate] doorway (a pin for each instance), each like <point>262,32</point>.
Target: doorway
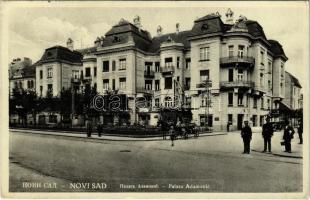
<point>239,121</point>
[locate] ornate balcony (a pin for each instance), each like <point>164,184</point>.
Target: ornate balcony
<point>237,84</point>
<point>245,61</point>
<point>75,80</point>
<point>149,74</point>
<point>167,70</point>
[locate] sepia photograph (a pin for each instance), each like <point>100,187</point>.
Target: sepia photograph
<point>202,98</point>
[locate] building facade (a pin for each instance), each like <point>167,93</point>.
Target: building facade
<point>225,72</point>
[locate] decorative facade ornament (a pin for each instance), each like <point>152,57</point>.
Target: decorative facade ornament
<point>159,30</point>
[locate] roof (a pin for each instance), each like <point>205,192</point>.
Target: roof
<point>61,54</point>
<point>276,48</point>
<point>87,50</point>
<point>207,25</point>
<point>181,37</point>
<point>255,29</point>
<point>293,79</point>
<point>25,72</point>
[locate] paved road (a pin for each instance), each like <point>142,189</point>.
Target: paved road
<point>213,163</point>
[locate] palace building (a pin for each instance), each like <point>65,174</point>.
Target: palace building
<point>224,71</point>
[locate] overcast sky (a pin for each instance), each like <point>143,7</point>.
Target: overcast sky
<point>33,29</point>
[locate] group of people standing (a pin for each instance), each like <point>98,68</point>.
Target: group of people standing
<point>267,133</point>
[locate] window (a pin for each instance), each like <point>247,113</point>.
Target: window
<point>41,90</point>
<point>148,84</point>
<point>188,101</point>
<point>282,70</point>
<point>230,51</point>
<point>178,62</point>
<point>122,83</point>
<point>113,65</point>
<point>204,53</point>
<point>157,83</point>
<point>157,102</point>
<point>168,102</point>
<point>105,66</point>
<point>95,71</point>
<point>261,120</point>
<point>240,51</point>
<point>95,86</point>
<point>240,99</point>
<point>187,83</point>
<point>204,75</point>
<point>261,80</point>
<point>208,118</point>
<point>122,64</point>
<point>255,102</point>
<point>87,72</point>
<point>230,99</point>
<point>281,88</point>
<point>157,64</point>
<point>106,84</point>
<point>269,86</point>
<point>231,75</point>
<point>188,63</point>
<point>168,62</point>
<point>262,57</point>
<point>50,72</point>
<point>262,103</point>
<point>41,74</point>
<point>168,83</point>
<point>254,119</point>
<point>113,84</point>
<point>75,74</point>
<point>50,88</point>
<point>269,67</point>
<point>240,75</point>
<point>178,78</point>
<point>268,104</point>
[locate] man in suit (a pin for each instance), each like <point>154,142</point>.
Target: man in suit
<point>246,134</point>
<point>287,136</point>
<point>300,130</point>
<point>267,134</point>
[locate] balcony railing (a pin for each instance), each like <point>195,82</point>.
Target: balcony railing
<point>149,74</point>
<point>245,61</point>
<point>144,90</point>
<point>167,69</point>
<point>204,84</point>
<point>238,84</point>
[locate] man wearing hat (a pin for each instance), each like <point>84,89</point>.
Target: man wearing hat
<point>246,134</point>
<point>267,134</point>
<point>288,135</point>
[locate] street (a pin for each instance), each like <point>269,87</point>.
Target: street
<point>212,163</point>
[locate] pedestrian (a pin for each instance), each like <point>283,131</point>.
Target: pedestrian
<point>172,135</point>
<point>99,129</point>
<point>267,135</point>
<point>288,135</point>
<point>89,128</point>
<point>246,134</point>
<point>300,130</point>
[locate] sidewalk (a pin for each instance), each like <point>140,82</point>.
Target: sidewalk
<point>104,136</point>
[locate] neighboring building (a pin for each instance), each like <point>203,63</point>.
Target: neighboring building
<point>292,91</point>
<point>21,74</point>
<point>57,69</point>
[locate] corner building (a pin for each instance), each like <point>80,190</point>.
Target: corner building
<point>225,72</point>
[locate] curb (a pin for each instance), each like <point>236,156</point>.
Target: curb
<point>104,137</point>
<point>280,155</point>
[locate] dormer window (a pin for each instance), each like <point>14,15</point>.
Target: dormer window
<point>204,27</point>
<point>116,39</point>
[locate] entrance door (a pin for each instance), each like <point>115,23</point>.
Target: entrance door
<point>239,121</point>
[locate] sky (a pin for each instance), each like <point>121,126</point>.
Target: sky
<point>34,27</point>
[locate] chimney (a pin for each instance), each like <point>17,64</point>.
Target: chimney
<point>70,44</point>
<point>137,22</point>
<point>229,16</point>
<point>159,30</point>
<point>177,27</point>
